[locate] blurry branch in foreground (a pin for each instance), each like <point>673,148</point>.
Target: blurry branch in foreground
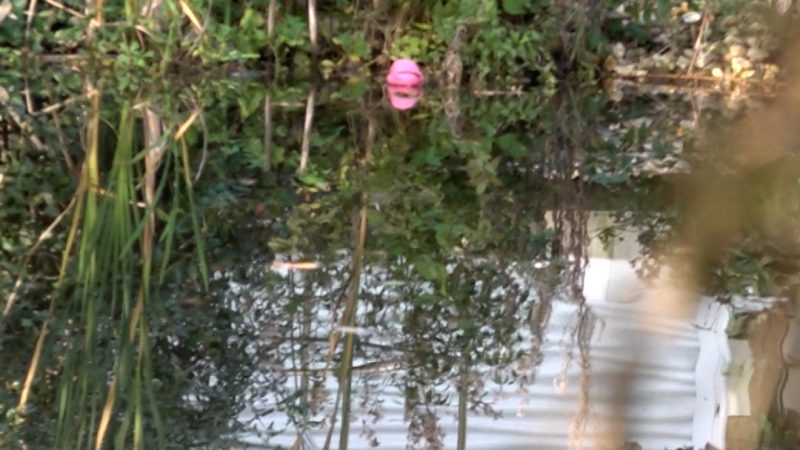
<point>749,176</point>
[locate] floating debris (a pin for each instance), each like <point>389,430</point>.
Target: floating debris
<point>294,265</point>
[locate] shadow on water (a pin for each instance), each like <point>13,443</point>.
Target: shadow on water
<point>246,266</point>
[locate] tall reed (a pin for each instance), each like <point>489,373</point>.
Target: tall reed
<point>96,331</point>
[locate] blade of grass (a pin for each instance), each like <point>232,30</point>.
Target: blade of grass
<point>187,10</point>
<point>90,174</point>
<point>267,132</point>
<point>121,217</point>
<point>168,232</point>
<point>201,258</point>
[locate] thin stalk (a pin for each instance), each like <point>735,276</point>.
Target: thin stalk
<point>271,11</point>
<point>138,423</point>
<point>346,373</point>
<point>98,11</point>
<point>348,317</point>
<point>152,159</point>
<point>130,14</point>
<point>267,132</point>
<point>201,256</point>
<point>312,26</point>
<point>308,123</point>
<point>172,219</point>
<point>29,21</point>
<point>305,360</point>
<point>463,389</point>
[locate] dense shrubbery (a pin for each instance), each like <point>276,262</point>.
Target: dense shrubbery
<point>506,43</point>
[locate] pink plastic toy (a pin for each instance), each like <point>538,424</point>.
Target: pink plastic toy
<point>404,97</point>
<point>404,72</point>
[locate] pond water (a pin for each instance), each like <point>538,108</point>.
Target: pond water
<point>233,264</point>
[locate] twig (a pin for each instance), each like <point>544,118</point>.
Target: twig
<point>307,124</point>
<point>204,154</point>
<point>54,58</point>
<point>43,236</point>
<point>271,10</point>
<point>187,124</point>
<point>688,89</point>
<point>679,77</point>
<point>28,97</point>
<point>312,25</point>
<point>65,8</point>
<point>59,105</point>
<point>35,141</point>
<point>515,91</point>
<point>376,367</point>
<point>196,42</point>
<point>288,104</point>
<point>698,42</point>
<point>29,20</point>
<point>62,142</point>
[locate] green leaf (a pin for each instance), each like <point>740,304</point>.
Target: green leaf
<point>249,103</point>
<point>510,144</point>
<point>313,180</point>
<point>426,157</point>
<point>251,20</point>
<point>427,268</point>
<point>609,179</point>
<point>375,218</point>
<point>515,7</point>
<point>468,325</point>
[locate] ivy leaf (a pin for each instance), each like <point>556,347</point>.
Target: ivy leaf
<point>515,7</point>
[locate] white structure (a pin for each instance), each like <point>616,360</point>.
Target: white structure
<point>672,372</point>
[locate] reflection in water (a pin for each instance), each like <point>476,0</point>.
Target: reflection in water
<point>404,97</point>
<point>475,275</point>
<point>404,378</point>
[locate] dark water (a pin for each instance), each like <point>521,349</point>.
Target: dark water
<point>482,269</point>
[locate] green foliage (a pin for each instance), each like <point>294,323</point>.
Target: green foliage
<point>508,43</point>
<point>250,34</point>
<point>455,195</point>
<point>354,46</point>
<point>515,7</point>
<point>507,56</point>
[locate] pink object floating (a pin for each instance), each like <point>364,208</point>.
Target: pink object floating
<point>404,97</point>
<point>404,72</point>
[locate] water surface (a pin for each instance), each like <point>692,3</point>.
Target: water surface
<point>302,265</point>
